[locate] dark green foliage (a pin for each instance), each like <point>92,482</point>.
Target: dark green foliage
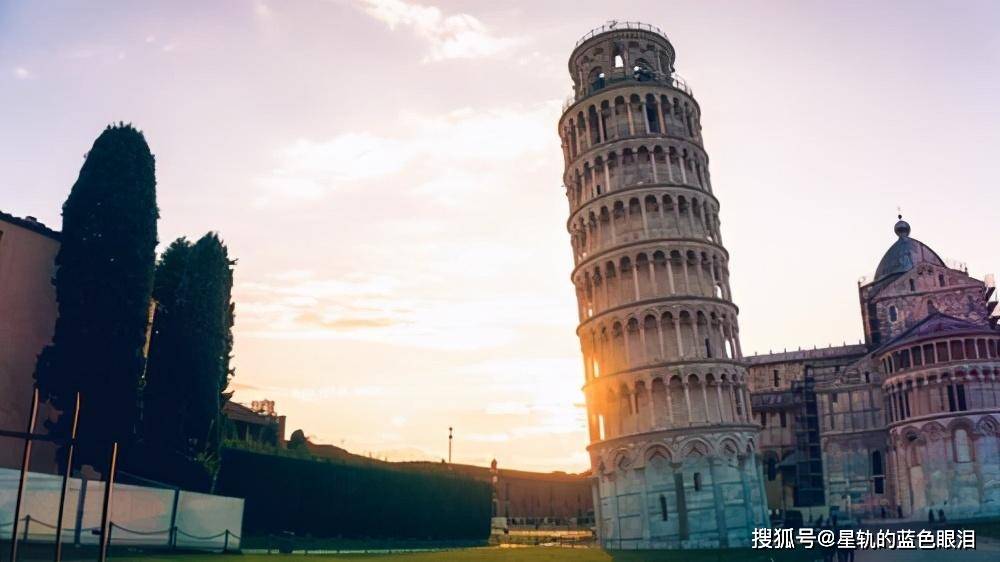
<point>161,395</point>
<point>103,285</point>
<point>326,499</point>
<point>297,441</point>
<point>191,349</point>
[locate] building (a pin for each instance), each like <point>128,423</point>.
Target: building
<point>901,424</point>
<point>258,424</point>
<point>28,312</point>
<point>673,446</point>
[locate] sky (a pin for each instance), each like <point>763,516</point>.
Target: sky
<point>388,174</point>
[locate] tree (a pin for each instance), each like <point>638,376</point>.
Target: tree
<point>298,441</point>
<point>161,394</point>
<point>103,283</point>
<point>192,344</point>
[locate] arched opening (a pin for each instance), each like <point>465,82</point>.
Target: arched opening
<point>663,508</point>
<point>878,472</point>
<point>641,71</point>
<point>594,125</point>
<point>651,119</point>
<point>596,79</point>
<point>961,440</point>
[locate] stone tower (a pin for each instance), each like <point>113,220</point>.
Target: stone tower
<point>672,442</point>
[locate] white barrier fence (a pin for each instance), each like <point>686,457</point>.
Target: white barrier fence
<point>139,516</point>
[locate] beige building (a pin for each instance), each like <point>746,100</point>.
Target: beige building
<point>673,445</point>
<point>901,424</point>
<point>28,313</point>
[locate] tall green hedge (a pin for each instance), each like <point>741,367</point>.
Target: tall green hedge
<point>325,499</point>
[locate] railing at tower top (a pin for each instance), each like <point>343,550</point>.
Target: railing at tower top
<point>621,75</point>
<point>615,25</point>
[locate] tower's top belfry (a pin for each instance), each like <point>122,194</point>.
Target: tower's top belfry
<point>619,51</point>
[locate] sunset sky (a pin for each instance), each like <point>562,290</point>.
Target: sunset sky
<point>389,175</point>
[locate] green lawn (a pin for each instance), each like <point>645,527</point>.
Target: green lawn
<point>529,554</point>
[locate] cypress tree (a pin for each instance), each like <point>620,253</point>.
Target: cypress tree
<point>103,283</point>
<point>161,393</point>
<point>189,367</point>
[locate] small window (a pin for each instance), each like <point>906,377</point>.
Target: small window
<point>941,280</point>
<point>619,62</point>
<point>663,507</point>
<point>783,419</point>
<point>868,377</point>
<point>777,379</point>
<point>913,286</point>
<point>833,397</point>
<point>697,481</point>
<point>892,313</point>
<point>960,393</point>
<point>763,419</point>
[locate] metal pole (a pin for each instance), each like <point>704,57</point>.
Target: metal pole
<point>25,463</point>
<point>449,445</point>
<point>65,481</point>
<point>81,502</point>
<point>109,483</point>
<point>173,519</point>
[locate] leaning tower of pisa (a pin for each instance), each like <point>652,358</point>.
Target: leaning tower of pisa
<point>672,441</point>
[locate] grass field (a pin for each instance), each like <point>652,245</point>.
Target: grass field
<point>529,554</point>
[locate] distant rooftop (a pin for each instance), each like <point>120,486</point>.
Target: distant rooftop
<point>801,354</point>
<point>30,223</point>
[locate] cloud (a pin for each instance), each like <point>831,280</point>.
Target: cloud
<point>261,10</point>
<point>21,73</point>
<point>345,323</point>
<point>450,36</point>
<point>309,169</point>
<point>325,393</point>
<point>383,308</point>
<point>440,155</point>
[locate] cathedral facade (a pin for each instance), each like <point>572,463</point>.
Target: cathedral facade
<point>673,445</point>
<point>904,425</point>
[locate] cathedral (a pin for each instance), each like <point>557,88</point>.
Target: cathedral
<point>693,445</point>
<point>901,425</point>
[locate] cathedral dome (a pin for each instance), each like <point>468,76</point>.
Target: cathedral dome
<point>905,253</point>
